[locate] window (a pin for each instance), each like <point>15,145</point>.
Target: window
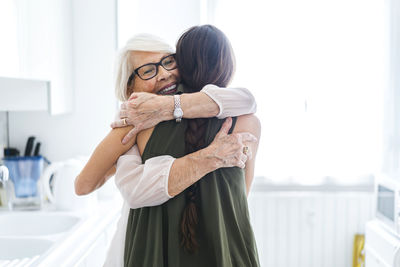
<point>316,68</point>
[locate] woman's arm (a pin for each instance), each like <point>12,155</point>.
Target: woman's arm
<point>143,185</point>
<point>101,163</point>
<point>231,102</point>
<point>226,150</point>
<point>163,177</point>
<point>145,110</point>
<point>249,123</point>
<point>213,101</point>
<point>220,103</point>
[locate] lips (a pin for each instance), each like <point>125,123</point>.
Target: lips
<point>168,90</point>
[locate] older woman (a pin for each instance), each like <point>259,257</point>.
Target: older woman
<point>208,224</point>
<point>146,110</point>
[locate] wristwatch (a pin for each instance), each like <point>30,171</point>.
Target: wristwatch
<point>178,112</point>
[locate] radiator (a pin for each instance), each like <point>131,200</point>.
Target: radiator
<point>308,229</point>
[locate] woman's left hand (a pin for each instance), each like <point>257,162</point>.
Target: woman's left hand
<point>142,111</point>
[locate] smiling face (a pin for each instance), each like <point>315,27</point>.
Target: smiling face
<point>165,82</point>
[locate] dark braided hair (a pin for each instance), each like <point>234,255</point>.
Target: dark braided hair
<point>204,56</point>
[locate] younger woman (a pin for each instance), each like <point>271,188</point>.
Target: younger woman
<point>208,224</point>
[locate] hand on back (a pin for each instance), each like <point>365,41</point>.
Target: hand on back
<point>232,150</point>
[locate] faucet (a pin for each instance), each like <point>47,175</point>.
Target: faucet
<point>3,179</point>
<point>4,174</point>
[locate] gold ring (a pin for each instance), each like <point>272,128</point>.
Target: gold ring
<point>245,149</point>
<point>124,120</point>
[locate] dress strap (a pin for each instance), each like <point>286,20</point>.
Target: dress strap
<point>234,119</point>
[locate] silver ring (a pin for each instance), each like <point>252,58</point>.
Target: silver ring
<point>124,121</point>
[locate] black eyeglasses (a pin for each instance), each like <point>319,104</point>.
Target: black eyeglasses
<point>150,70</point>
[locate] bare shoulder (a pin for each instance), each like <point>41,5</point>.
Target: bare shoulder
<point>248,123</point>
<point>142,139</point>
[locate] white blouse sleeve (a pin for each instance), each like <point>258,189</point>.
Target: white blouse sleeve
<point>231,101</point>
<point>143,185</point>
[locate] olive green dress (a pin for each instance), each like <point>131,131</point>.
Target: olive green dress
<point>224,233</point>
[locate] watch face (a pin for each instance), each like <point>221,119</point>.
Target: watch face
<point>178,113</point>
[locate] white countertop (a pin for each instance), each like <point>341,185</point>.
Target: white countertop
<point>77,241</point>
<point>69,247</point>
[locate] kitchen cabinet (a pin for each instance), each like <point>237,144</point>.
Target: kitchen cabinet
<point>97,253</point>
<point>86,245</point>
<point>41,34</point>
<point>23,94</point>
<point>382,248</point>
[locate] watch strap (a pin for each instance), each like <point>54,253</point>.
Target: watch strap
<point>177,108</point>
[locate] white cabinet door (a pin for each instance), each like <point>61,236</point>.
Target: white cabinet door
<point>372,261</point>
<point>382,247</point>
<point>98,252</point>
<point>9,63</point>
<point>45,38</point>
<point>38,40</point>
<point>23,95</point>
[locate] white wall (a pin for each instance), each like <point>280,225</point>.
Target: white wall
<point>167,19</point>
<point>94,44</point>
<point>77,133</point>
<point>302,228</point>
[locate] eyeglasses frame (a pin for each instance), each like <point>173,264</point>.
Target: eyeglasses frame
<point>135,71</point>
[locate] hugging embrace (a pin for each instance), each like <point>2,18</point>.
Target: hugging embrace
<point>182,154</point>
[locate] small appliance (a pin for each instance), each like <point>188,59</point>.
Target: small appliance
<point>25,191</point>
<point>58,181</point>
<point>387,203</point>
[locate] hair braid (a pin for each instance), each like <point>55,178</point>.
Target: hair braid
<point>194,140</point>
<point>204,56</point>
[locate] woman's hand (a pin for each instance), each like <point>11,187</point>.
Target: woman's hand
<point>226,150</point>
<point>142,111</point>
<point>229,149</point>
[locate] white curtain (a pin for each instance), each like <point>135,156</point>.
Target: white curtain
<point>392,93</point>
<point>317,70</point>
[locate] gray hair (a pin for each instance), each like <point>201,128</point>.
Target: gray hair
<point>123,67</point>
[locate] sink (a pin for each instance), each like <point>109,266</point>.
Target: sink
<point>19,248</point>
<point>18,224</point>
<point>27,235</point>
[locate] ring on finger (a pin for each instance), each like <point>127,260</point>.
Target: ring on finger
<point>124,121</point>
<point>245,149</point>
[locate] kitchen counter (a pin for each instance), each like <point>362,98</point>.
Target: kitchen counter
<point>85,244</point>
<point>74,248</point>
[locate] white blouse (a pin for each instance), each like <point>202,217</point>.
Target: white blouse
<point>144,185</point>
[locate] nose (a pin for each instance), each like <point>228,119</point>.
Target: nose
<point>163,74</point>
